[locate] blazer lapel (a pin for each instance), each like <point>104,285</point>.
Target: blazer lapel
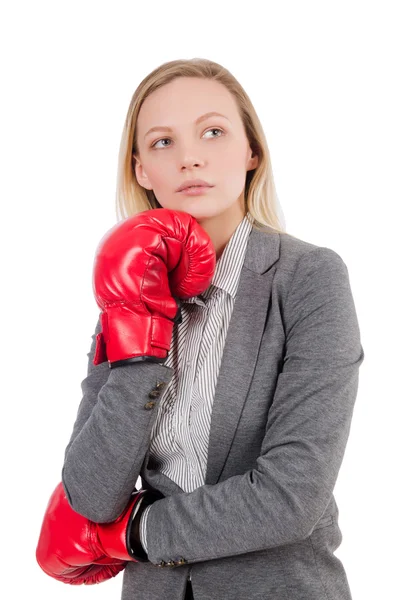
<point>242,345</point>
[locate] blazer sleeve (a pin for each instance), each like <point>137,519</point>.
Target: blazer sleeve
<point>111,435</point>
<point>96,378</point>
<point>282,498</point>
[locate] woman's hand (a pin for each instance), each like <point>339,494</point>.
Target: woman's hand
<point>140,265</point>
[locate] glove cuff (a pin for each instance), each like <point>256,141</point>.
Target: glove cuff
<point>133,538</point>
<point>128,336</point>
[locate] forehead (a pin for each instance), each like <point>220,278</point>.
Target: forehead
<point>183,100</point>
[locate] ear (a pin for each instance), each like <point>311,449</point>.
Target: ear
<point>252,162</point>
<point>140,174</point>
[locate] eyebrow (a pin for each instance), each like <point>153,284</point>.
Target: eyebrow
<point>198,120</point>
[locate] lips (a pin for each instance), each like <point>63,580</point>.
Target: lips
<point>193,183</point>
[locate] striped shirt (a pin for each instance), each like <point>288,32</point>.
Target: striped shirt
<point>180,434</point>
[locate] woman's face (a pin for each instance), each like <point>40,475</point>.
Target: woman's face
<point>214,149</point>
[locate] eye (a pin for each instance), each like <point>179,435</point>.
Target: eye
<point>212,129</point>
<point>215,129</point>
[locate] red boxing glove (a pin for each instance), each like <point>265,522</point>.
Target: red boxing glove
<point>75,550</point>
<point>140,265</point>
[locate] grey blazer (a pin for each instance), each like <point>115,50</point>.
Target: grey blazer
<point>265,524</point>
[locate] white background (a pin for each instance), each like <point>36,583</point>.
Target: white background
<point>322,77</point>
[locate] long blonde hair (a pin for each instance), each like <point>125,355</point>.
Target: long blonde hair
<point>259,195</point>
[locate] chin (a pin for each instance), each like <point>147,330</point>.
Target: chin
<point>197,208</point>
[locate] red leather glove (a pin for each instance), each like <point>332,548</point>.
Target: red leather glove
<point>139,266</point>
<point>75,550</point>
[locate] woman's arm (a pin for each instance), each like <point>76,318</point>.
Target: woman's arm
<point>90,386</point>
<point>283,497</point>
<point>111,435</point>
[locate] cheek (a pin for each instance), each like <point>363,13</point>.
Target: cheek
<point>158,174</point>
<point>230,160</point>
<point>234,177</point>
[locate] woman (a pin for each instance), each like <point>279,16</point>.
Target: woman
<point>252,398</point>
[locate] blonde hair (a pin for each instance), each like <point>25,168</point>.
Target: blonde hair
<point>260,196</point>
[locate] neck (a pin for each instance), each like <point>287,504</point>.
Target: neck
<point>221,227</point>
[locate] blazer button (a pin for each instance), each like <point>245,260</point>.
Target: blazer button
<point>149,405</point>
<point>155,392</point>
<point>160,564</point>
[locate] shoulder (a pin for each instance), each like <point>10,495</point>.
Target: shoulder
<point>299,263</point>
<point>311,274</point>
<point>292,250</point>
<point>296,253</point>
